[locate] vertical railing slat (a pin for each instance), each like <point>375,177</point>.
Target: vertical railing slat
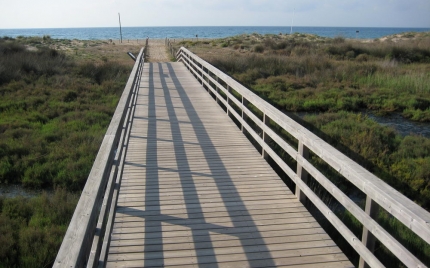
<point>368,239</point>
<point>244,116</point>
<point>301,172</point>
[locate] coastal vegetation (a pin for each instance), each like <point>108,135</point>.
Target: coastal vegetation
<point>314,74</point>
<point>335,82</point>
<point>57,98</point>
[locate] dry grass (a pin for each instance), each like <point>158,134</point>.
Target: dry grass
<point>81,50</point>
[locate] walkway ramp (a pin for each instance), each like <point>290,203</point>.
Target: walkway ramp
<point>195,192</point>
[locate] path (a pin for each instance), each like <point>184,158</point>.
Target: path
<point>157,51</point>
<point>195,193</point>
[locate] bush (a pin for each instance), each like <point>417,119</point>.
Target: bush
<point>31,230</point>
<point>16,62</point>
<point>100,73</point>
<point>338,40</point>
<point>258,49</point>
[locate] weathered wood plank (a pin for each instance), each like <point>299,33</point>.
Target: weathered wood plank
<point>211,216</point>
<point>278,236</point>
<point>177,243</point>
<point>207,195</point>
<point>254,250</point>
<point>222,220</point>
<point>242,260</point>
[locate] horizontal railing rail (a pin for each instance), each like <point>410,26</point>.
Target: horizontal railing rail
<point>85,242</point>
<point>378,192</point>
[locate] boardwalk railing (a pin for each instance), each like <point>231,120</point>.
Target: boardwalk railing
<point>237,101</point>
<point>87,236</point>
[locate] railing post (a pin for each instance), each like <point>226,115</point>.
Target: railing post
<point>368,239</point>
<point>186,58</point>
<point>301,172</point>
<point>266,121</point>
<point>244,116</point>
<point>207,79</point>
<point>228,100</point>
<point>217,90</point>
<point>200,73</point>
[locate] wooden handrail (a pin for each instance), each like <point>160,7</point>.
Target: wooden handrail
<point>82,242</point>
<point>378,192</point>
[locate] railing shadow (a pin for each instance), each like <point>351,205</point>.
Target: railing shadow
<point>246,231</point>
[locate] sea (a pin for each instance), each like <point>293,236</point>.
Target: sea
<point>177,32</point>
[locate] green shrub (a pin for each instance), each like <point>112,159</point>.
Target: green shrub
<point>16,62</point>
<point>339,40</point>
<point>31,230</point>
<point>401,162</point>
<point>8,241</point>
<point>259,49</point>
<point>100,73</point>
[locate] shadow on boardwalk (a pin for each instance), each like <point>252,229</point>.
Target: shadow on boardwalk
<point>196,194</point>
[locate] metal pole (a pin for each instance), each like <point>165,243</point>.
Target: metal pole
<point>120,30</point>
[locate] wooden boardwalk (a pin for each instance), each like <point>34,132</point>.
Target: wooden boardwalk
<point>195,192</point>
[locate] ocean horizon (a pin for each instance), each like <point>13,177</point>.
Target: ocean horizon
<point>161,32</point>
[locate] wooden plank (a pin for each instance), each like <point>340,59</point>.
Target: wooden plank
<point>195,182</point>
<point>200,192</point>
<point>221,220</point>
<point>212,199</point>
<point>208,194</point>
<point>207,186</point>
<point>240,252</point>
<point>202,235</point>
<point>198,206</point>
<point>198,211</point>
<point>298,241</point>
<point>137,227</point>
<point>279,236</point>
<point>211,215</point>
<point>239,259</point>
<point>216,200</point>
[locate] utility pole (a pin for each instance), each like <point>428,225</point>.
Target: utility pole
<point>292,22</point>
<point>120,30</point>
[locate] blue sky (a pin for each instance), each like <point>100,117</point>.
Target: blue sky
<point>104,13</point>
